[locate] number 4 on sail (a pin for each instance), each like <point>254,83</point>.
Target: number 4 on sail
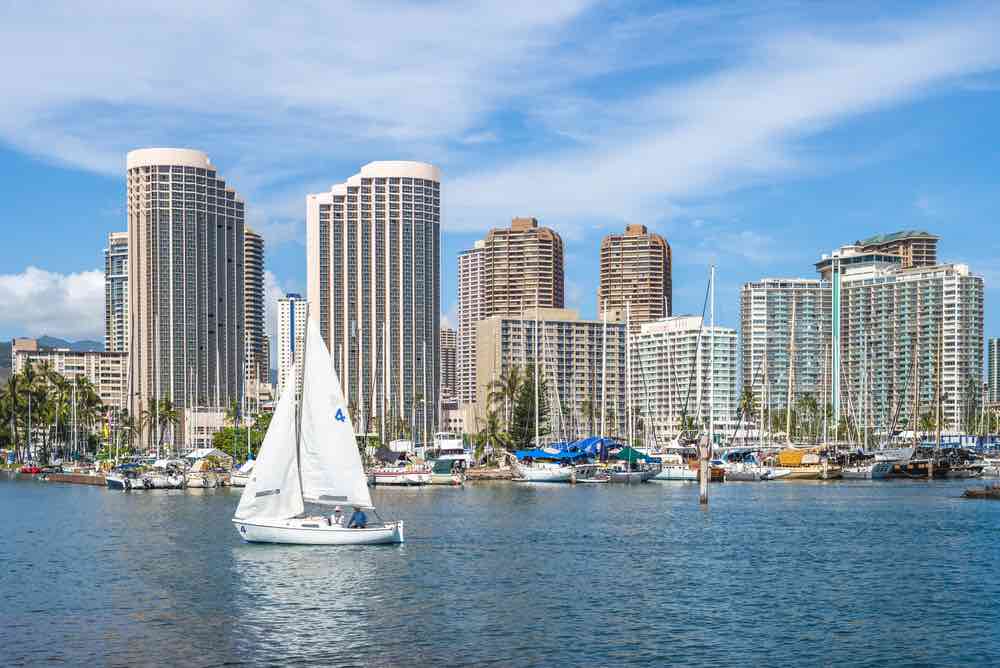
<point>313,459</point>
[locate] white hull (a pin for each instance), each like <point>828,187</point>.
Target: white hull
<point>315,531</point>
<point>238,480</point>
<point>747,473</point>
<point>544,473</point>
<point>202,480</point>
<point>406,478</point>
<point>677,474</point>
<point>877,471</point>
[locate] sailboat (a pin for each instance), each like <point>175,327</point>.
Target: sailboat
<point>310,457</point>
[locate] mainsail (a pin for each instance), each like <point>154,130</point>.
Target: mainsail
<point>273,490</point>
<point>328,453</point>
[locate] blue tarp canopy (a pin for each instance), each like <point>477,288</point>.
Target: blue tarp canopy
<point>550,453</point>
<point>590,446</point>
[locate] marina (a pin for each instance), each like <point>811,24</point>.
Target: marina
<point>163,574</point>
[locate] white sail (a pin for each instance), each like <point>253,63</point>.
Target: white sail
<point>328,453</point>
<point>274,491</point>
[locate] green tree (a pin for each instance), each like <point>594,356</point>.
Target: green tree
<point>233,441</point>
<point>522,431</point>
<point>927,424</point>
<point>491,434</point>
<point>503,392</point>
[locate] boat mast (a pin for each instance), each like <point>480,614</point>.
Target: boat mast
<point>604,365</point>
<point>535,342</point>
<point>298,406</point>
<point>791,374</point>
<point>937,389</point>
<point>628,376</point>
<point>711,362</point>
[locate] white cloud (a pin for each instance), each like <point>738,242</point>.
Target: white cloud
<point>37,302</point>
<point>736,126</point>
<point>272,293</point>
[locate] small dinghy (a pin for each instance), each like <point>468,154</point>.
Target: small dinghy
<point>313,459</point>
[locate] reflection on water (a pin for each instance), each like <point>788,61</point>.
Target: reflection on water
<point>866,573</point>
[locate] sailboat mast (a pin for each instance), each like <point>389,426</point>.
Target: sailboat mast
<point>535,337</point>
<point>604,365</point>
<point>711,362</point>
<point>791,373</point>
<point>628,376</point>
<point>298,406</point>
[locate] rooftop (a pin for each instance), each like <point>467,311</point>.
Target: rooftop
<point>896,236</point>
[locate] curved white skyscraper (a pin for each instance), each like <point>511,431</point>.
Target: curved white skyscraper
<point>374,267</point>
<point>185,280</point>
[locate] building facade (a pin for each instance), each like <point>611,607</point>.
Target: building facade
<point>449,349</point>
<point>373,247</point>
<point>186,281</point>
<point>993,371</point>
<point>293,314</point>
<point>582,380</point>
<point>635,271</point>
<point>684,377</point>
<point>513,269</point>
<point>106,371</point>
<point>116,293</point>
<point>471,309</point>
<point>785,342</point>
<point>902,338</point>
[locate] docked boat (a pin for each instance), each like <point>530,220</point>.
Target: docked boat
<point>742,466</point>
<point>874,470</point>
<point>312,459</point>
<point>447,472</point>
<point>590,473</point>
<point>402,474</point>
<point>543,471</point>
<point>201,476</point>
<point>991,467</point>
<point>241,476</point>
<point>795,464</point>
<point>674,467</point>
<point>451,447</point>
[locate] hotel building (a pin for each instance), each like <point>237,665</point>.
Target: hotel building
<point>293,314</point>
<point>116,293</point>
<point>185,280</point>
<point>373,248</point>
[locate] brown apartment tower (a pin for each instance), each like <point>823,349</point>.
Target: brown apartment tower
<point>635,269</point>
<point>514,269</point>
<point>917,248</point>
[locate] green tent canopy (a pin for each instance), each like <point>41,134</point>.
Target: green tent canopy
<point>630,454</point>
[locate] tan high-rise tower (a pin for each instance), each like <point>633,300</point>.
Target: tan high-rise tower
<point>514,269</point>
<point>635,269</point>
<point>185,282</point>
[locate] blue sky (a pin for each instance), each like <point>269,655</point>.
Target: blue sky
<point>753,135</point>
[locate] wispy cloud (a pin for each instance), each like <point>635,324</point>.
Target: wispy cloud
<point>36,302</point>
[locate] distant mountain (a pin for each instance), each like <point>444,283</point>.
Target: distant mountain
<point>45,341</point>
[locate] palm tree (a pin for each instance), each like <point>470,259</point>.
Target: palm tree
<point>169,417</point>
<point>503,392</point>
<point>233,414</point>
<point>927,424</point>
<point>589,411</point>
<point>492,435</point>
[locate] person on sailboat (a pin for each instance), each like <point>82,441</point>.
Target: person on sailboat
<point>358,520</point>
<point>337,519</point>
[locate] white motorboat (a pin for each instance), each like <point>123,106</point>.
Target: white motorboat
<point>450,446</point>
<point>673,468</point>
<point>201,476</point>
<point>876,470</point>
<point>315,461</point>
<point>590,473</point>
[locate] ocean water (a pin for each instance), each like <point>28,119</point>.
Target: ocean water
<point>849,573</point>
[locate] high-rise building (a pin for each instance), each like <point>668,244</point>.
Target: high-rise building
<point>785,341</point>
<point>515,268</point>
<point>449,349</point>
<point>582,381</point>
<point>635,271</point>
<point>293,314</point>
<point>914,247</point>
<point>993,372</point>
<point>471,309</point>
<point>258,354</point>
<point>185,277</point>
<point>116,293</point>
<point>901,339</point>
<point>374,282</point>
<point>678,383</point>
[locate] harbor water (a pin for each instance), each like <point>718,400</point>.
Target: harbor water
<point>848,573</point>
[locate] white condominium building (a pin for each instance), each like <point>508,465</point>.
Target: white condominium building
<point>293,312</point>
<point>582,382</point>
<point>672,377</point>
<point>448,346</point>
<point>993,372</point>
<point>116,293</point>
<point>374,286</point>
<point>785,341</point>
<point>185,277</point>
<point>106,371</point>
